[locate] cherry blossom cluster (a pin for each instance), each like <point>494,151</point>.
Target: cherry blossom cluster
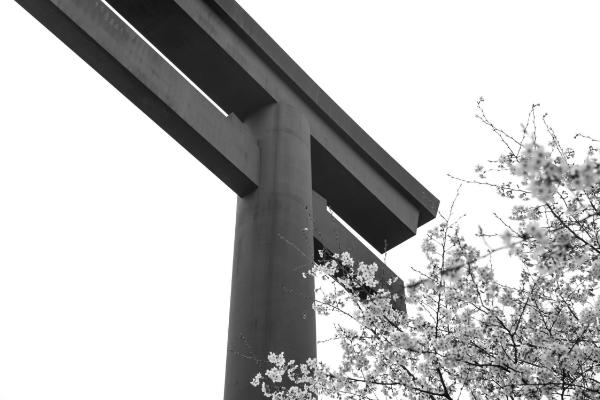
<point>465,334</point>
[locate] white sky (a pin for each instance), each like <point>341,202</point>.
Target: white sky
<point>116,244</point>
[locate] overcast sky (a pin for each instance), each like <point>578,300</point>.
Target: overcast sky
<point>116,244</point>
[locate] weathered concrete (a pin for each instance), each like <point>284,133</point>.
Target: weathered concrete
<point>271,304</point>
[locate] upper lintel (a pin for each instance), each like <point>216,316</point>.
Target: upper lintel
<point>422,198</point>
<point>220,48</point>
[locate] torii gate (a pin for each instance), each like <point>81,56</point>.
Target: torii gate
<point>283,146</point>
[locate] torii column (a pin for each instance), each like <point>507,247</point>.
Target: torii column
<point>271,305</point>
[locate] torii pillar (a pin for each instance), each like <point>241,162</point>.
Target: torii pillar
<point>271,304</point>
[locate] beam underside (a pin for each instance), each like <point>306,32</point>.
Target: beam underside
<point>267,48</point>
<point>253,33</point>
<point>330,234</point>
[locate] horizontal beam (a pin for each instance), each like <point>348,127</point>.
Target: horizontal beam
<point>383,217</point>
<point>255,71</point>
<point>331,235</point>
<point>292,73</point>
<point>104,41</point>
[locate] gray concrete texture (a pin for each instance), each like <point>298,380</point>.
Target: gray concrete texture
<point>271,304</point>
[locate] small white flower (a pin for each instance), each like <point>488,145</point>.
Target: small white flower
<point>256,380</point>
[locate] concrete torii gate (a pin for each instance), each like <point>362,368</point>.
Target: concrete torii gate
<point>282,145</point>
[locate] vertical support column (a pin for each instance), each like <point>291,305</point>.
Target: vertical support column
<point>271,304</point>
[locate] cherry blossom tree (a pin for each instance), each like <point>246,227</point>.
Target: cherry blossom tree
<point>466,334</point>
